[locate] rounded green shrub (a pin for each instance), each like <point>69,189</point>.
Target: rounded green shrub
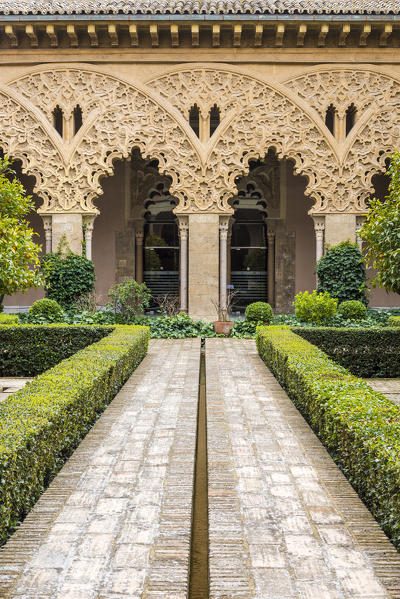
<point>352,310</point>
<point>314,307</point>
<point>47,309</point>
<point>341,272</point>
<point>9,319</point>
<point>394,321</point>
<point>259,312</point>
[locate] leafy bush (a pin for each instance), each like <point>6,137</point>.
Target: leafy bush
<point>352,310</point>
<point>28,350</point>
<point>341,272</point>
<point>394,321</point>
<point>129,298</point>
<point>9,319</point>
<point>244,329</point>
<point>46,310</point>
<point>43,423</point>
<point>259,312</point>
<point>360,427</point>
<point>67,277</point>
<point>314,307</point>
<point>367,353</point>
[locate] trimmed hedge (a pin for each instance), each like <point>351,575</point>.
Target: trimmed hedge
<point>359,426</point>
<point>9,319</point>
<point>369,352</point>
<point>28,350</point>
<point>394,321</point>
<point>42,424</point>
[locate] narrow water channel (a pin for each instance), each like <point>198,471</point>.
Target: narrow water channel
<point>198,584</point>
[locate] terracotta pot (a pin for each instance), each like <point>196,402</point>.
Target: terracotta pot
<point>223,327</point>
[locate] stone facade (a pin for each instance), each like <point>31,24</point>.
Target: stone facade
<point>192,105</point>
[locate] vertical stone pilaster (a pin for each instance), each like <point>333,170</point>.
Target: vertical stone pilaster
<point>203,265</point>
<point>183,236</point>
<point>69,227</point>
<point>339,227</point>
<point>89,224</point>
<point>47,224</point>
<point>271,266</point>
<point>223,244</point>
<point>139,236</point>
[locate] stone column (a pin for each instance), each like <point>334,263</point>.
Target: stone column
<point>183,236</point>
<point>67,226</point>
<point>271,267</point>
<point>229,253</point>
<point>359,223</point>
<point>47,232</point>
<point>319,227</point>
<point>139,235</point>
<point>203,265</point>
<point>223,239</point>
<point>89,224</point>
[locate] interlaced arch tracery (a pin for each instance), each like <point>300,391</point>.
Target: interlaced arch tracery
<point>255,115</point>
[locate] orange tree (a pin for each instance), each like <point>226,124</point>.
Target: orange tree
<point>381,231</point>
<point>19,254</point>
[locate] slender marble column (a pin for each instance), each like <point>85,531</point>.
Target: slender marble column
<point>47,232</point>
<point>271,267</point>
<point>183,235</point>
<point>319,227</point>
<point>139,255</point>
<point>223,238</point>
<point>89,224</point>
<point>359,224</point>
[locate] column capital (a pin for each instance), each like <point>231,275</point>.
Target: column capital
<point>88,221</point>
<point>139,237</point>
<point>183,224</point>
<point>224,226</point>
<point>319,223</point>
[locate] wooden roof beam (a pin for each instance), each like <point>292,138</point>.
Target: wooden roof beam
<point>237,35</point>
<point>154,35</point>
<point>133,32</point>
<point>73,38</point>
<point>12,36</point>
<point>195,35</point>
<point>31,33</point>
<point>343,34</point>
<point>323,32</point>
<point>113,34</point>
<point>366,30</point>
<point>280,32</point>
<point>386,33</point>
<point>258,35</point>
<point>92,33</point>
<point>301,34</point>
<point>50,31</point>
<point>174,36</point>
<point>216,35</point>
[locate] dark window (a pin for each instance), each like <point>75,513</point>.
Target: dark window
<point>215,118</point>
<point>77,119</point>
<point>58,120</point>
<point>351,113</point>
<point>194,119</point>
<point>330,118</point>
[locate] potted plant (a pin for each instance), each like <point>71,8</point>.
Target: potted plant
<point>223,325</point>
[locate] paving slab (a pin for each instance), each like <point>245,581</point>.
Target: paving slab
<point>116,521</point>
<point>389,387</point>
<point>284,522</point>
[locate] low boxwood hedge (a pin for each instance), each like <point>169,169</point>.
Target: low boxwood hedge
<point>43,423</point>
<point>28,350</point>
<point>394,321</point>
<point>359,427</point>
<point>369,352</point>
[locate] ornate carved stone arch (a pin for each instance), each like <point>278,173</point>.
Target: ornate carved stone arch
<point>257,114</point>
<point>376,94</point>
<point>23,137</point>
<point>126,116</point>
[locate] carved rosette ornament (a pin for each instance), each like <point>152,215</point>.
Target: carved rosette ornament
<point>256,115</point>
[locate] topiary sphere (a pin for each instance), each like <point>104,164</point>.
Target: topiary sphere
<point>48,309</point>
<point>352,310</point>
<point>259,311</point>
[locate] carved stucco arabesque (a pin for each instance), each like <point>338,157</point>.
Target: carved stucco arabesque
<point>255,116</point>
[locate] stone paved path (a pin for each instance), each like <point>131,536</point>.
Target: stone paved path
<point>116,521</point>
<point>283,520</point>
<point>389,387</point>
